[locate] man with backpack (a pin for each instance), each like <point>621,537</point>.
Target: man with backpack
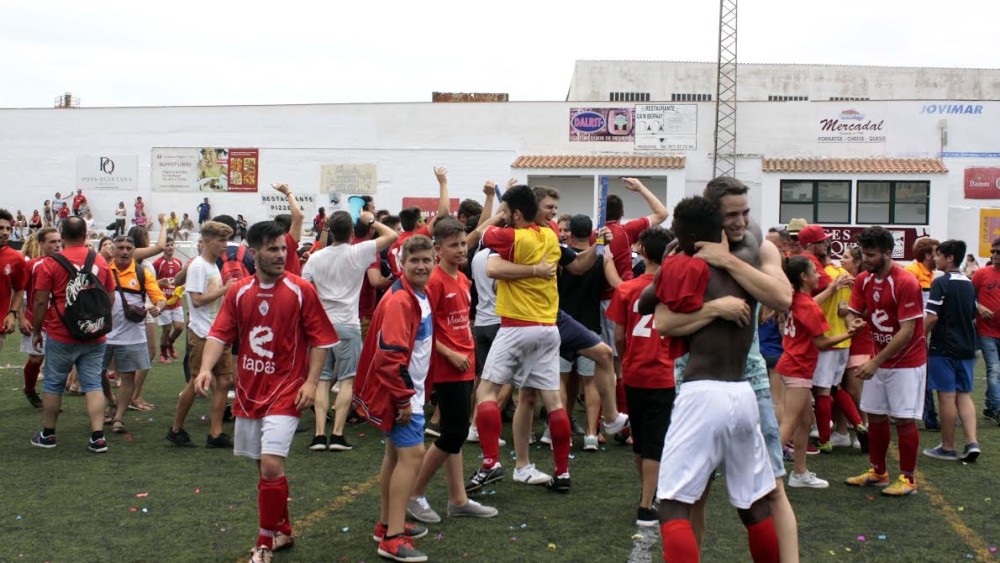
<point>74,292</point>
<point>204,287</point>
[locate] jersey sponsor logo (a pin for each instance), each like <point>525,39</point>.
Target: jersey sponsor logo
<point>259,336</point>
<point>877,296</point>
<point>263,308</point>
<point>450,295</point>
<point>879,319</point>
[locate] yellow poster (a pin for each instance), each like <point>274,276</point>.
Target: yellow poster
<point>989,230</point>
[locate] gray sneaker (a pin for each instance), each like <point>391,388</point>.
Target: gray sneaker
<point>590,443</point>
<point>420,510</point>
<point>472,509</point>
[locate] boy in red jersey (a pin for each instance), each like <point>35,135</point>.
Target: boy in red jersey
<point>12,276</point>
<point>50,242</point>
<point>889,298</point>
<point>453,370</point>
<point>389,392</point>
<point>283,337</point>
<point>171,319</point>
<point>648,371</point>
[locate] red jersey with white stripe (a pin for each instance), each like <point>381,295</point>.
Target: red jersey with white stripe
<point>276,326</point>
<point>681,284</point>
<point>884,304</point>
<point>646,363</point>
<point>450,306</point>
<point>168,270</point>
<point>623,237</point>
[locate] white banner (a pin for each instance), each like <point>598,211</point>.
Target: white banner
<point>107,172</point>
<point>666,126</point>
<point>275,203</point>
<point>348,179</point>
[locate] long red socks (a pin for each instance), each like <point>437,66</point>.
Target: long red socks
<point>909,444</point>
<point>31,371</point>
<point>878,442</point>
<point>824,413</point>
<point>679,544</point>
<point>272,507</point>
<point>489,424</point>
<point>847,407</point>
<point>560,431</point>
<point>763,541</point>
<point>620,400</point>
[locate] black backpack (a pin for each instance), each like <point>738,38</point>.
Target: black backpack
<point>87,315</point>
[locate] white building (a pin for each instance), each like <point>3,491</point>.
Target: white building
<point>918,155</point>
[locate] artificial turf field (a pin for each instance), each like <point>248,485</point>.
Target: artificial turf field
<point>146,500</point>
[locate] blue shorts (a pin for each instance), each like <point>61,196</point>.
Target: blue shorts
<point>949,375</point>
<point>573,336</point>
<point>772,433</point>
<point>409,435</point>
<point>60,359</point>
<point>128,357</point>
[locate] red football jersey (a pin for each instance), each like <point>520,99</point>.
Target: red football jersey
<point>987,283</point>
<point>804,322</point>
<point>680,285</point>
<point>646,363</point>
<point>396,250</point>
<point>168,270</point>
<point>623,236</point>
<point>13,271</point>
<point>887,302</point>
<point>29,287</point>
<point>450,305</point>
<point>276,327</point>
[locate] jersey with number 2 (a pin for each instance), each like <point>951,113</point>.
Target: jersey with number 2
<point>646,363</point>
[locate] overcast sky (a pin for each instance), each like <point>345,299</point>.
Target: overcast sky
<point>112,53</point>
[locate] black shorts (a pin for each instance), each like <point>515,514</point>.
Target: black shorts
<point>649,413</point>
<point>454,401</point>
<point>485,335</point>
<point>574,336</point>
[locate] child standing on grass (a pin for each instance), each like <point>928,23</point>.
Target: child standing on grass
<point>802,341</point>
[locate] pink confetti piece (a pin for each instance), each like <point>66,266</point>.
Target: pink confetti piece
<point>133,509</point>
<point>197,490</point>
<point>141,495</point>
<point>993,549</point>
<point>861,538</point>
<point>438,537</point>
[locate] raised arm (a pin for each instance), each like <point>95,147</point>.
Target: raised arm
<point>293,208</point>
<point>659,210</point>
<point>161,241</point>
<point>490,189</point>
<point>386,236</point>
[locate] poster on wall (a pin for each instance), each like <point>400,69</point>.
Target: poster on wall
<point>107,172</point>
<point>348,179</point>
<point>275,203</point>
<point>602,124</point>
<point>982,183</point>
<point>666,126</point>
<point>989,230</point>
<point>428,205</point>
<point>849,125</point>
<point>205,169</point>
<point>842,237</point>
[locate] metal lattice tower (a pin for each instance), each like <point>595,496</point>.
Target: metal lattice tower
<point>725,94</point>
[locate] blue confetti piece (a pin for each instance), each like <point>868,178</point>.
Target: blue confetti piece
<point>345,529</point>
<point>881,537</point>
<point>19,517</point>
<point>524,525</point>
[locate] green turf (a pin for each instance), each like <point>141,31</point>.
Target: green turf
<point>67,504</point>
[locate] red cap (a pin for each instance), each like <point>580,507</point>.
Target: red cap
<point>811,234</point>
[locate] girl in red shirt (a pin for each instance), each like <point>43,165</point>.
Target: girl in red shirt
<point>802,340</point>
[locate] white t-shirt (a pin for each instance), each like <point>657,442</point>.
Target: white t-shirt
<point>202,277</point>
<point>338,272</point>
<point>486,307</point>
<point>420,359</point>
<point>124,331</point>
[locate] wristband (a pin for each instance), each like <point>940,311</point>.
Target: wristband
<point>12,312</point>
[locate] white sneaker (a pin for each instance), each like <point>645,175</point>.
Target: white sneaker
<point>838,440</point>
<point>855,444</point>
<point>546,437</point>
<point>528,475</point>
<point>619,424</point>
<point>814,432</point>
<point>590,443</point>
<point>807,480</point>
<point>473,434</point>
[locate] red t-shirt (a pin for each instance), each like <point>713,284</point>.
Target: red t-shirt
<point>646,363</point>
<point>78,200</point>
<point>29,287</point>
<point>168,270</point>
<point>681,286</point>
<point>276,327</point>
<point>13,274</point>
<point>450,305</point>
<point>861,343</point>
<point>804,322</point>
<point>292,264</point>
<point>987,283</point>
<point>621,247</point>
<point>396,250</point>
<point>52,277</point>
<point>887,302</point>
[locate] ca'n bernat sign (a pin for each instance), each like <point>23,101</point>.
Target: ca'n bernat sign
<point>982,183</point>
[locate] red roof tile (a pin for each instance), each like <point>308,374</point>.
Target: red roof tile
<point>597,161</point>
<point>880,165</point>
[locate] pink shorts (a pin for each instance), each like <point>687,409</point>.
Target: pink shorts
<point>797,382</point>
<point>856,360</point>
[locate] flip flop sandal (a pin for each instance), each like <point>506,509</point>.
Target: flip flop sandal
<point>118,427</point>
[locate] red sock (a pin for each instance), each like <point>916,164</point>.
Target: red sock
<point>878,445</point>
<point>31,376</point>
<point>285,523</point>
<point>620,400</point>
<point>679,544</point>
<point>763,541</point>
<point>909,444</point>
<point>489,424</point>
<point>845,402</point>
<point>272,502</point>
<point>824,413</point>
<point>560,431</point>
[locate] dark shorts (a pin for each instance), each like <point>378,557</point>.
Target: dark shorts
<point>771,361</point>
<point>454,400</point>
<point>485,335</point>
<point>649,413</point>
<point>574,336</point>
